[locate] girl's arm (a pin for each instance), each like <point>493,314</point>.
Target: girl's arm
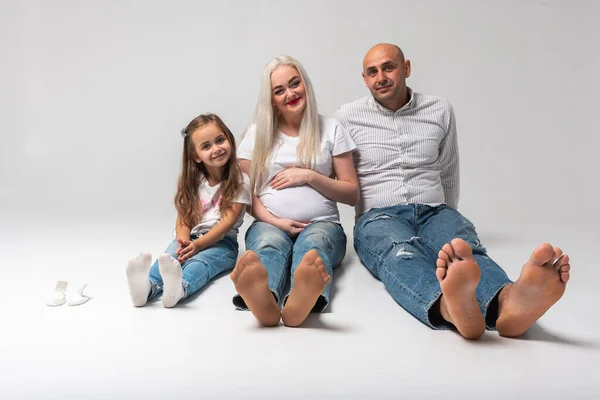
<point>344,189</point>
<point>216,233</point>
<point>221,228</point>
<point>182,231</point>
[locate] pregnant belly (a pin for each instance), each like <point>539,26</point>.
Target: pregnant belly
<point>302,203</point>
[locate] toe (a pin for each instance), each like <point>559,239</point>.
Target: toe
<point>562,260</point>
<point>461,248</point>
<point>444,256</point>
<point>557,254</point>
<point>440,273</point>
<point>447,248</point>
<point>542,254</point>
<point>564,273</point>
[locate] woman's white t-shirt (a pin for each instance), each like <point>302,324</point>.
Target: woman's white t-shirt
<point>210,199</point>
<point>300,203</point>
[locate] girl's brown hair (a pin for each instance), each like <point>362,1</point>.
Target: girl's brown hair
<point>187,198</point>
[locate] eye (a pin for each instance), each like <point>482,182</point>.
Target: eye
<point>205,147</point>
<point>278,92</point>
<point>388,68</point>
<point>295,84</point>
<point>220,140</point>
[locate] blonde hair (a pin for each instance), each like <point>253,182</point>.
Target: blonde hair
<point>187,198</point>
<point>266,122</point>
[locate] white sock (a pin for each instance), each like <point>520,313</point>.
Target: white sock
<point>138,271</point>
<point>170,270</point>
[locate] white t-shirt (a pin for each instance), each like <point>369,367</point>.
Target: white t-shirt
<point>210,198</point>
<point>300,203</point>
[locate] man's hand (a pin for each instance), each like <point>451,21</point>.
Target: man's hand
<point>291,177</point>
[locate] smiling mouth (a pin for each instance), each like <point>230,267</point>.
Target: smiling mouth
<point>384,87</point>
<point>219,156</point>
<point>294,102</point>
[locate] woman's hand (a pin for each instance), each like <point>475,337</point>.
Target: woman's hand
<point>291,177</point>
<point>291,227</point>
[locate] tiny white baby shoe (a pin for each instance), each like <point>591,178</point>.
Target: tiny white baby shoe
<point>78,298</point>
<point>59,296</point>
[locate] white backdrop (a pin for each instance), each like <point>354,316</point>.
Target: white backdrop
<point>94,95</point>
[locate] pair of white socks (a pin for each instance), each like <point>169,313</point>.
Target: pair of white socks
<point>138,271</point>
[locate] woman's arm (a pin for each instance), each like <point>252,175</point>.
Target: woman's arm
<point>344,189</point>
<point>260,212</point>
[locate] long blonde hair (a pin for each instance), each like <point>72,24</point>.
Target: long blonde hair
<point>187,198</point>
<point>266,122</point>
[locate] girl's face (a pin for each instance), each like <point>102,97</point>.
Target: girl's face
<point>287,90</point>
<point>211,146</point>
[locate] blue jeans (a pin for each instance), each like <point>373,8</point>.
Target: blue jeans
<point>399,245</point>
<point>201,268</point>
<point>278,252</point>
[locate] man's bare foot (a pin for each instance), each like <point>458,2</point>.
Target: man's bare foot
<point>310,278</point>
<point>458,274</point>
<point>251,281</point>
<point>541,284</point>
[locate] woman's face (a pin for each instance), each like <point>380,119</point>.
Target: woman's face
<point>288,91</point>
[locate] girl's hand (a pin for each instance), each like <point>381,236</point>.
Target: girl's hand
<point>183,243</point>
<point>291,227</point>
<point>291,177</point>
<point>188,251</point>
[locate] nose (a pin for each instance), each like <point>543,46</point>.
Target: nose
<point>381,78</point>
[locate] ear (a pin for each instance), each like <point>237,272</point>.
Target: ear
<point>407,68</point>
<point>364,78</point>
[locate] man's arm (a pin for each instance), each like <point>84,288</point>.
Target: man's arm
<point>449,161</point>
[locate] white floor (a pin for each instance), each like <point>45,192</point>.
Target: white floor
<point>364,347</point>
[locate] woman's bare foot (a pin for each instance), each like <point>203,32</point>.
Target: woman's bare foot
<point>458,274</point>
<point>251,281</point>
<point>541,284</point>
<point>310,278</point>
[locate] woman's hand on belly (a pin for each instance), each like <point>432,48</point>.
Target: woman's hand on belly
<point>291,177</point>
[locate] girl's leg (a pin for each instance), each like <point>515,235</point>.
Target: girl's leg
<point>143,280</point>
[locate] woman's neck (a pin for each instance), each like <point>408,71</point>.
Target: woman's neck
<point>290,125</point>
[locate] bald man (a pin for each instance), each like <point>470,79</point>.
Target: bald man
<point>408,231</point>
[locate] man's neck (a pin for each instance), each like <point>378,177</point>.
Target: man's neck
<point>396,104</point>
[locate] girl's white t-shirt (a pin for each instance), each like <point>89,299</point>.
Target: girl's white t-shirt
<point>300,203</point>
<point>210,199</point>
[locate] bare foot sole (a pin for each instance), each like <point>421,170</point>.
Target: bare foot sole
<point>310,278</point>
<point>541,284</point>
<point>459,274</point>
<point>251,281</point>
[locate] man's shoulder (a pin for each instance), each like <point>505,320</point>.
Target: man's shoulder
<point>353,106</point>
<point>425,100</point>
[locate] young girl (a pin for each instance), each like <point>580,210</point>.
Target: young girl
<point>300,165</point>
<point>211,198</point>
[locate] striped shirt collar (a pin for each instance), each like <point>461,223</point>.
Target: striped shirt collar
<point>409,105</point>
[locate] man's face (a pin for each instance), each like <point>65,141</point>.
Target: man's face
<point>385,74</point>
